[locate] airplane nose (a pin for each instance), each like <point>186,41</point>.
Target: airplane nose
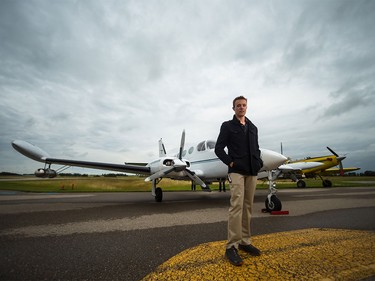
<point>340,158</point>
<point>179,165</point>
<point>272,160</point>
<point>280,159</point>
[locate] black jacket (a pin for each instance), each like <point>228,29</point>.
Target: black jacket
<point>243,147</point>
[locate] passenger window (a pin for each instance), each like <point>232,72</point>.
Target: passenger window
<point>211,144</point>
<point>201,146</point>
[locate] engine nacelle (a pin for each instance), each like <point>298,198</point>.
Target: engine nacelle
<point>175,163</point>
<point>45,173</point>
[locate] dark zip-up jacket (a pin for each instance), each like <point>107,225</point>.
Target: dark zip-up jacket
<point>243,147</point>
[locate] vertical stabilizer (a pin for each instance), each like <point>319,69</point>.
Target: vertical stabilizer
<point>162,152</point>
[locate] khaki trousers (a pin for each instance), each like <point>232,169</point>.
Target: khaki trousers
<point>242,190</point>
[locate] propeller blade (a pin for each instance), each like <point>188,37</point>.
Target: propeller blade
<point>341,169</point>
<point>334,153</point>
<point>340,164</point>
<point>160,174</point>
<point>338,159</point>
<point>182,145</point>
<point>178,164</point>
<point>195,178</point>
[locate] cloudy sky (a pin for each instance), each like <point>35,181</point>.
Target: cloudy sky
<point>105,80</point>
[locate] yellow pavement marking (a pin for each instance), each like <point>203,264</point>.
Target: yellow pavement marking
<point>309,254</point>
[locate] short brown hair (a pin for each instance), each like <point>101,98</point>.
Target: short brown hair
<point>238,98</point>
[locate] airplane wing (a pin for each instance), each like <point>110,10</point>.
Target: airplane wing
<point>125,168</point>
<point>298,166</point>
<point>37,154</point>
<point>337,171</point>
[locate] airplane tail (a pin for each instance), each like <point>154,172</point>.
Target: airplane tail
<point>162,151</point>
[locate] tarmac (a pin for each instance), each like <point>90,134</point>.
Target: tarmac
<point>327,235</point>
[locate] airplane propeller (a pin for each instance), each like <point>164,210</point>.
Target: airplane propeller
<point>160,174</point>
<point>339,158</point>
<point>182,144</point>
<point>178,165</point>
<point>195,178</point>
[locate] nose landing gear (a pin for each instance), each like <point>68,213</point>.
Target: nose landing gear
<point>272,202</point>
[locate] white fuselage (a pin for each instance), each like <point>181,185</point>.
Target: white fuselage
<point>203,161</point>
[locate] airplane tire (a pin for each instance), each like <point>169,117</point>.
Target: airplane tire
<point>158,194</point>
<point>274,205</point>
<point>301,184</point>
<point>327,183</point>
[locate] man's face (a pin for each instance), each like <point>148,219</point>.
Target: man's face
<point>240,107</point>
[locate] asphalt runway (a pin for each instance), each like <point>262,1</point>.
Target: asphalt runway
<point>126,236</point>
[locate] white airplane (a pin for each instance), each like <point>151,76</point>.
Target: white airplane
<point>199,164</point>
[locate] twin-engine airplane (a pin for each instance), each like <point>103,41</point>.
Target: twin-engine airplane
<point>198,164</point>
<point>318,166</point>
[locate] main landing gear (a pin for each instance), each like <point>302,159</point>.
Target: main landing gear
<point>325,183</point>
<point>272,202</point>
<point>157,192</point>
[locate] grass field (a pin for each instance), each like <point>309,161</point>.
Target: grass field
<point>133,183</point>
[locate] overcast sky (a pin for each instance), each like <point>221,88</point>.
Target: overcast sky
<point>105,80</point>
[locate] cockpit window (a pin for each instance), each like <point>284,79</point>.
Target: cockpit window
<point>201,146</point>
<point>211,144</point>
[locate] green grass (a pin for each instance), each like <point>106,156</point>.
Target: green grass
<point>133,183</point>
<point>347,181</point>
<point>90,184</point>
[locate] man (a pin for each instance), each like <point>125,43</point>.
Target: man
<point>240,137</point>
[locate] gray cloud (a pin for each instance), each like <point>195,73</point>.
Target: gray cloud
<point>349,99</point>
<point>104,80</point>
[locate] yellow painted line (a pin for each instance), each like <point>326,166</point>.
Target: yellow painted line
<point>309,254</point>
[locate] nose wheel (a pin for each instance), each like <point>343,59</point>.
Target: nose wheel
<point>272,202</point>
